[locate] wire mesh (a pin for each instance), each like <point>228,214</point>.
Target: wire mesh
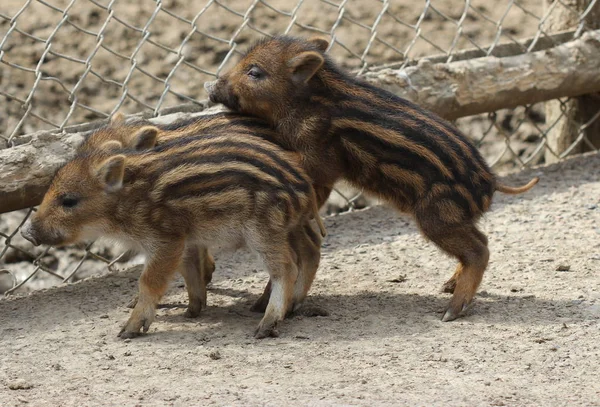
<point>65,62</point>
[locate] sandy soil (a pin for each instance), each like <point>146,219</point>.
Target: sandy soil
<point>531,338</point>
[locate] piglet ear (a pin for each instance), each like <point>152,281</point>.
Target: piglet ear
<point>111,145</point>
<point>117,119</point>
<point>145,138</point>
<point>111,172</point>
<point>305,65</point>
<point>321,43</point>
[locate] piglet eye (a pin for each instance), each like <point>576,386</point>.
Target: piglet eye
<point>256,73</point>
<point>69,201</point>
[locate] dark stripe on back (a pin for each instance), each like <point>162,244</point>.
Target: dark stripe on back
<point>220,158</point>
<point>418,136</point>
<point>391,154</point>
<point>247,181</point>
<point>393,105</point>
<point>248,147</point>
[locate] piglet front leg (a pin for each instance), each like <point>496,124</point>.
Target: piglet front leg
<point>154,281</point>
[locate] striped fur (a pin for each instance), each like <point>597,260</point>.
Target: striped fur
<point>174,191</point>
<point>231,124</point>
<point>346,128</point>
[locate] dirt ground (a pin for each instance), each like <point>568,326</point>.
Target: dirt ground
<point>531,337</point>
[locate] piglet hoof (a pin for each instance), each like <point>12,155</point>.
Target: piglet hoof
<point>139,320</point>
<point>449,315</point>
<point>124,334</point>
<point>132,330</point>
<point>266,332</point>
<point>453,313</point>
<point>192,312</point>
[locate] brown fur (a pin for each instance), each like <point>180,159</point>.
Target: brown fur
<point>174,200</point>
<point>388,146</point>
<point>137,135</point>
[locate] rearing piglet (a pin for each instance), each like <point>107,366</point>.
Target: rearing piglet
<point>346,128</point>
<point>194,191</point>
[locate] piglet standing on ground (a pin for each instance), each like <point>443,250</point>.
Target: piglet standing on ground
<point>346,128</point>
<point>188,193</point>
<point>142,135</point>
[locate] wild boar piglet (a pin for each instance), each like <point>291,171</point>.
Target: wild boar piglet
<point>384,144</point>
<point>166,201</point>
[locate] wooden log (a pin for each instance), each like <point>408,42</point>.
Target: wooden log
<point>469,87</point>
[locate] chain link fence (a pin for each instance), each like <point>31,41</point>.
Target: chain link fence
<point>68,62</point>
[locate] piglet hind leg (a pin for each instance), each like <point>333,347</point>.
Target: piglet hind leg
<point>283,272</point>
<point>450,285</point>
<point>307,245</point>
<point>306,250</point>
<point>196,268</point>
<point>153,283</point>
<point>261,304</point>
<point>467,244</point>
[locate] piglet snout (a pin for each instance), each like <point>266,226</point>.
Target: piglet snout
<point>210,86</point>
<point>28,233</point>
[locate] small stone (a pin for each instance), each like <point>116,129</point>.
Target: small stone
<point>301,337</point>
<point>215,355</point>
<point>105,316</point>
<point>563,267</point>
<point>128,353</point>
<point>19,384</point>
<point>399,279</point>
<point>515,290</point>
